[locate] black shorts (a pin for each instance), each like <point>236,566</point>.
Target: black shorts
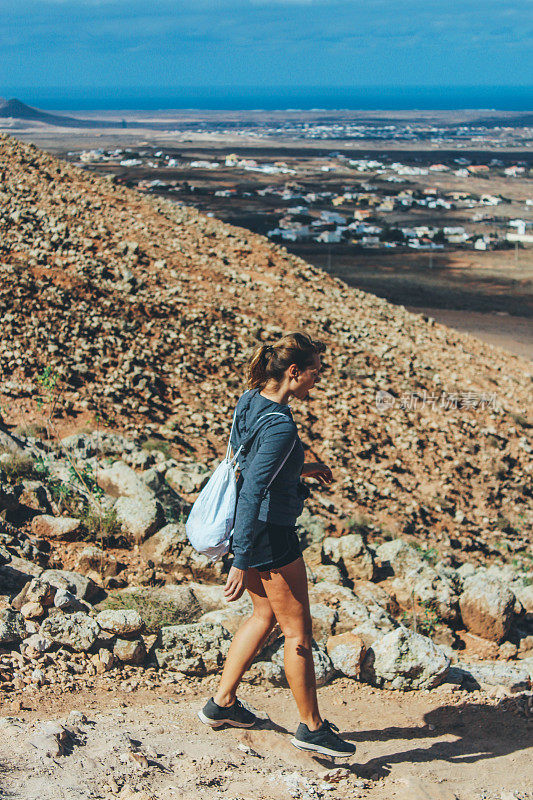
<point>274,546</point>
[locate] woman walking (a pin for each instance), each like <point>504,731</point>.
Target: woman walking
<point>267,557</point>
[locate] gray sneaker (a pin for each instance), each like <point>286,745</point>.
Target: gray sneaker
<point>324,740</point>
<point>237,715</point>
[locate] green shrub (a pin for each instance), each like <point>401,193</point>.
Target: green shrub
<point>157,444</point>
<point>32,429</point>
<point>102,526</point>
<point>155,611</point>
<point>19,467</point>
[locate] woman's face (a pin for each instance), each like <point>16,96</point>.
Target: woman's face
<point>307,379</point>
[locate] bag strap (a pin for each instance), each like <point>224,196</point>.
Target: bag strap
<point>228,450</point>
<point>283,462</point>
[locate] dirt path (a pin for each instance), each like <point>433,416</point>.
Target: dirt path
<point>514,334</point>
<point>436,745</point>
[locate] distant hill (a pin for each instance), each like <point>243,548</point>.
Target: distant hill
<point>16,109</point>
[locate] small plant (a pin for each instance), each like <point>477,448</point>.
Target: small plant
<point>428,621</point>
<point>18,467</point>
<point>431,554</point>
<point>157,444</point>
<point>85,476</point>
<point>32,429</point>
<point>65,499</point>
<point>41,468</point>
<point>156,612</point>
<point>101,526</point>
<point>520,419</point>
<point>425,620</point>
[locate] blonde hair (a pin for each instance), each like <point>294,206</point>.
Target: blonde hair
<point>269,361</point>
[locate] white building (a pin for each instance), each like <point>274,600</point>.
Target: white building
<point>329,237</point>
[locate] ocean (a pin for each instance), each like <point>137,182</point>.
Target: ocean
<point>501,98</point>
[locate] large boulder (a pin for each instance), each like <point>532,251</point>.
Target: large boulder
<point>347,651</point>
<point>210,596</point>
<point>54,527</point>
<point>487,607</point>
<point>12,627</point>
<point>324,620</point>
<point>351,610</point>
<point>324,669</point>
<point>230,615</point>
<point>404,660</point>
<point>119,480</point>
<point>78,631</point>
<point>196,649</point>
<point>162,547</point>
<point>324,572</point>
<point>80,585</point>
<point>123,622</point>
<point>139,517</point>
<point>514,677</point>
<point>187,477</point>
<point>95,560</point>
<point>350,554</point>
<point>414,576</point>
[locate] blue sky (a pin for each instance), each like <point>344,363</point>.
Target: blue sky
<point>124,45</point>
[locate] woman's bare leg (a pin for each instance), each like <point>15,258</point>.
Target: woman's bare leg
<point>247,641</point>
<point>286,589</point>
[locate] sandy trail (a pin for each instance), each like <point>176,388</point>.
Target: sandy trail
<point>436,745</point>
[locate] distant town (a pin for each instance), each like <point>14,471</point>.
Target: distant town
<point>367,203</point>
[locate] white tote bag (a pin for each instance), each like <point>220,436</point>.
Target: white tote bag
<point>210,522</point>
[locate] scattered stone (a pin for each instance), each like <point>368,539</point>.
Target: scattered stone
<point>94,559</point>
<point>32,610</point>
<point>120,480</point>
<point>67,601</point>
<point>188,477</point>
<point>39,591</point>
<point>161,548</point>
<point>35,644</point>
<point>80,585</point>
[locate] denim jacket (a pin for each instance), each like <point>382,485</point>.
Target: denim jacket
<point>271,439</point>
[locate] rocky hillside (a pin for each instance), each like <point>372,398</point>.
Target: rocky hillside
<point>127,325</point>
<point>145,312</point>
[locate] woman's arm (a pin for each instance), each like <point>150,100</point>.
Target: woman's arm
<point>317,469</point>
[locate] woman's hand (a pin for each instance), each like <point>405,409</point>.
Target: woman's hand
<point>234,585</point>
<point>318,470</point>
